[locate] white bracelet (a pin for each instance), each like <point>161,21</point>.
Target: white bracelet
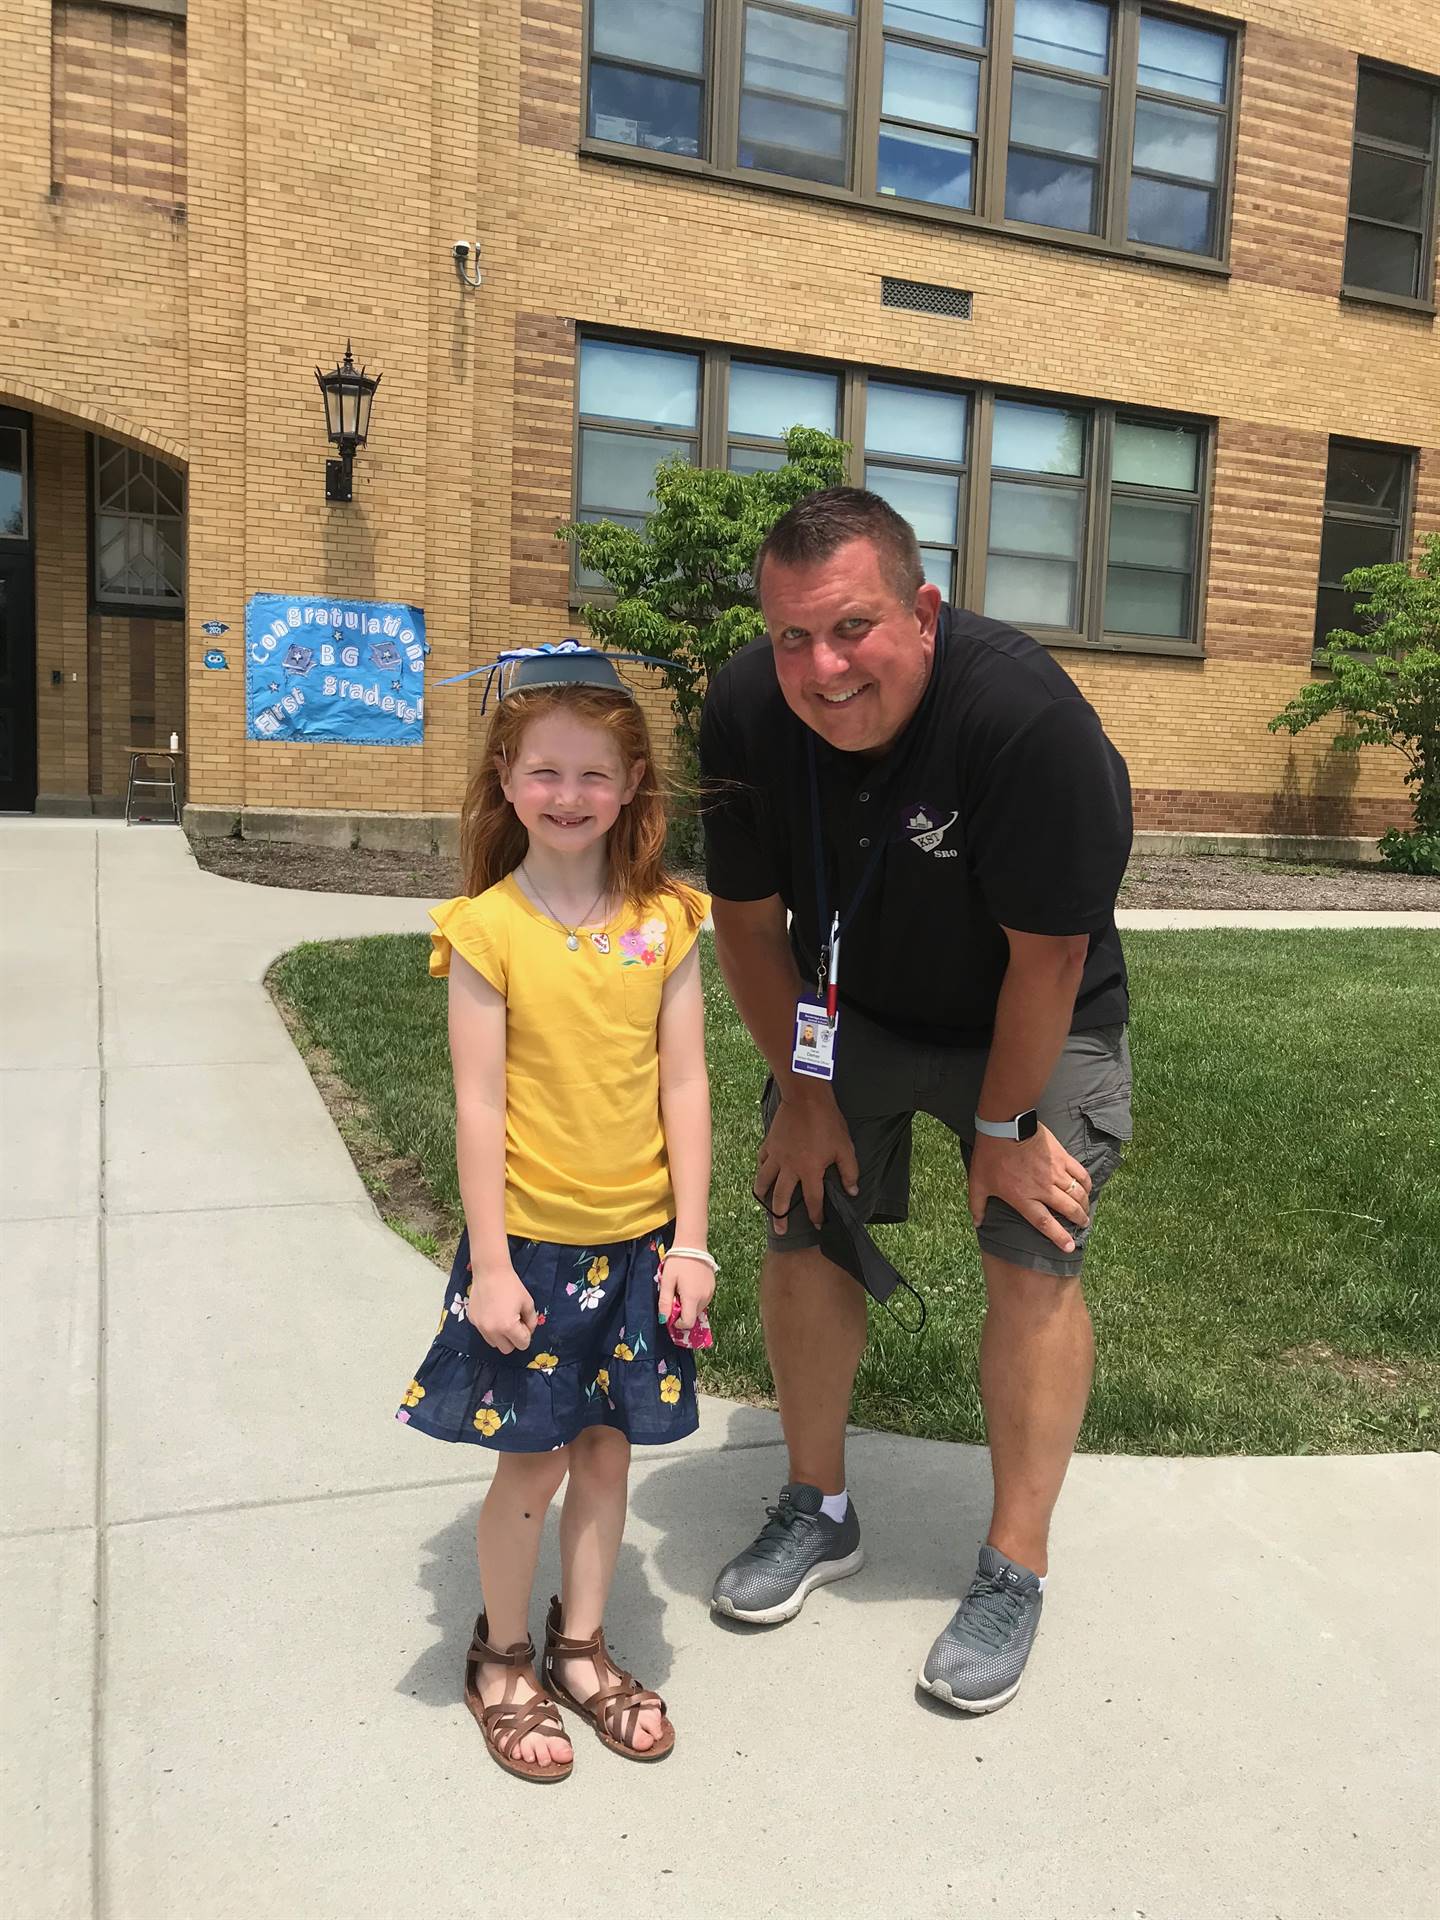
<point>693,1253</point>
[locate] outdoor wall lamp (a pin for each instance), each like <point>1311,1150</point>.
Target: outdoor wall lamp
<point>349,392</point>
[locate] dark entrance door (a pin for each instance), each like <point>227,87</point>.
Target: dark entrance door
<point>17,680</point>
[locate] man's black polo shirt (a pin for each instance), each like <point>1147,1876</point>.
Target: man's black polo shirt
<point>1001,805</point>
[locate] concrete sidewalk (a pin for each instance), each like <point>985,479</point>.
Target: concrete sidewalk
<point>239,1593</point>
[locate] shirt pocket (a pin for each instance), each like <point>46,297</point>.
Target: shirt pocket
<point>641,988</point>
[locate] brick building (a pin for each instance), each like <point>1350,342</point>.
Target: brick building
<point>1130,307</point>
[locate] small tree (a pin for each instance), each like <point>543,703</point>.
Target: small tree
<point>1385,681</point>
<point>682,584</point>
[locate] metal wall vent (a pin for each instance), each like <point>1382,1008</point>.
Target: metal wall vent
<point>920,297</point>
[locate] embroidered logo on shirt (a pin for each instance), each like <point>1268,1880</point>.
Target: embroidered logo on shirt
<point>643,946</point>
<point>921,826</point>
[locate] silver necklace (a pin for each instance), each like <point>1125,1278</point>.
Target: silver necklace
<point>572,934</point>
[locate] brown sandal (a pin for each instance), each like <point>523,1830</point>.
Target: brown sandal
<point>506,1724</point>
<point>613,1711</point>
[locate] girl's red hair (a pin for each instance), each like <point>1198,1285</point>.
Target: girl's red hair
<point>492,840</point>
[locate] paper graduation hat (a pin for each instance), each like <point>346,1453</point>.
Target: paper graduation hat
<point>562,663</point>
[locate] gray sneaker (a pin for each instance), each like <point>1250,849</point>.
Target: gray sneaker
<point>977,1663</point>
<point>797,1549</point>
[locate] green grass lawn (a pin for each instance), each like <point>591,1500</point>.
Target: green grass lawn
<point>1265,1271</point>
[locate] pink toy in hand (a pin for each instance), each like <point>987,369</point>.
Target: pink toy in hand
<point>698,1336</point>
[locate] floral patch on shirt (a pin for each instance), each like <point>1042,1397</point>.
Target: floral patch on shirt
<point>643,946</point>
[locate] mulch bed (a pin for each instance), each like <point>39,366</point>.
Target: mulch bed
<point>1213,881</point>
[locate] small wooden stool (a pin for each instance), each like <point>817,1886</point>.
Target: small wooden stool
<point>143,760</point>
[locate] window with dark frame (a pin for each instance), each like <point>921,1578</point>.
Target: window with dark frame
<point>638,406</point>
<point>797,82</point>
<point>917,457</point>
<point>1367,492</point>
<point>14,485</point>
<point>1110,119</point>
<point>1088,529</point>
<point>1182,96</point>
<point>1059,113</point>
<point>932,85</point>
<point>138,530</point>
<point>1389,239</point>
<point>1154,533</point>
<point>647,75</point>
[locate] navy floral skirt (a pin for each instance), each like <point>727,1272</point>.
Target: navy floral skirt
<point>597,1358</point>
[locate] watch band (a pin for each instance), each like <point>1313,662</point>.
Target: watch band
<point>1021,1127</point>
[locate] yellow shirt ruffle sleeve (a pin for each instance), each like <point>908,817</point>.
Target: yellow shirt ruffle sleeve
<point>682,935</point>
<point>474,930</point>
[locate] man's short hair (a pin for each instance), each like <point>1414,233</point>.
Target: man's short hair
<point>820,524</point>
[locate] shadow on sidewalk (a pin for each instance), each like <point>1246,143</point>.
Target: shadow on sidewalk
<point>634,1624</point>
<point>923,1510</point>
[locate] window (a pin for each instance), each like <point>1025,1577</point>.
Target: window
<point>138,535</point>
<point>1059,113</point>
<point>1083,523</point>
<point>1178,158</point>
<point>1101,119</point>
<point>764,402</point>
<point>1366,502</point>
<point>647,74</point>
<point>14,471</point>
<point>1389,239</point>
<point>1037,515</point>
<point>1154,529</point>
<point>916,442</point>
<point>638,406</point>
<point>930,94</point>
<point>796,81</point>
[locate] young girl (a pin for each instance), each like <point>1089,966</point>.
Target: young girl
<point>582,1134</point>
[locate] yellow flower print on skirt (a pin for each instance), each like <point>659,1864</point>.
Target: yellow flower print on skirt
<point>597,1357</point>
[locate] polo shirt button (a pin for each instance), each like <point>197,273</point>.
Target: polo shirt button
<point>864,796</point>
<point>865,843</point>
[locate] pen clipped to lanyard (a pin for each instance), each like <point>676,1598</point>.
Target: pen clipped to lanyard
<point>832,971</point>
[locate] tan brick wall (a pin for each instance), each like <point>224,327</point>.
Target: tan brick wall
<point>332,162</point>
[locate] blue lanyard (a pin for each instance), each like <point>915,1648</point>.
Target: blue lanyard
<point>822,898</point>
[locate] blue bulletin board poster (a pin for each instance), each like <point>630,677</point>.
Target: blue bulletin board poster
<point>351,670</point>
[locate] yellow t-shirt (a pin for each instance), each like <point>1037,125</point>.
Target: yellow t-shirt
<point>585,1155</point>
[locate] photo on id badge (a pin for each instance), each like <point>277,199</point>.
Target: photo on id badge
<point>814,1050</point>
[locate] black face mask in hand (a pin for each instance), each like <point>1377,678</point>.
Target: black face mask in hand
<point>845,1240</point>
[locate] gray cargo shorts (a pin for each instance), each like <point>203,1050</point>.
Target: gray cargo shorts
<point>882,1081</point>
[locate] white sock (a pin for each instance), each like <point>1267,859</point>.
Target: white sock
<point>834,1506</point>
<point>1042,1578</point>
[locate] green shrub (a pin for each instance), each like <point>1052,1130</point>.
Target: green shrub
<point>1385,683</point>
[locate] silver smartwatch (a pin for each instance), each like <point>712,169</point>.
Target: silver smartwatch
<point>1022,1127</point>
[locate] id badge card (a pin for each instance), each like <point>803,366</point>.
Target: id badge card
<point>814,1050</point>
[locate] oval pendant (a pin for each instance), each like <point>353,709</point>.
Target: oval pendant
<point>572,941</point>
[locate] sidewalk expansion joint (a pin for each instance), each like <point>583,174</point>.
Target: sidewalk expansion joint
<point>362,1201</point>
<point>352,1493</point>
<point>102,1587</point>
